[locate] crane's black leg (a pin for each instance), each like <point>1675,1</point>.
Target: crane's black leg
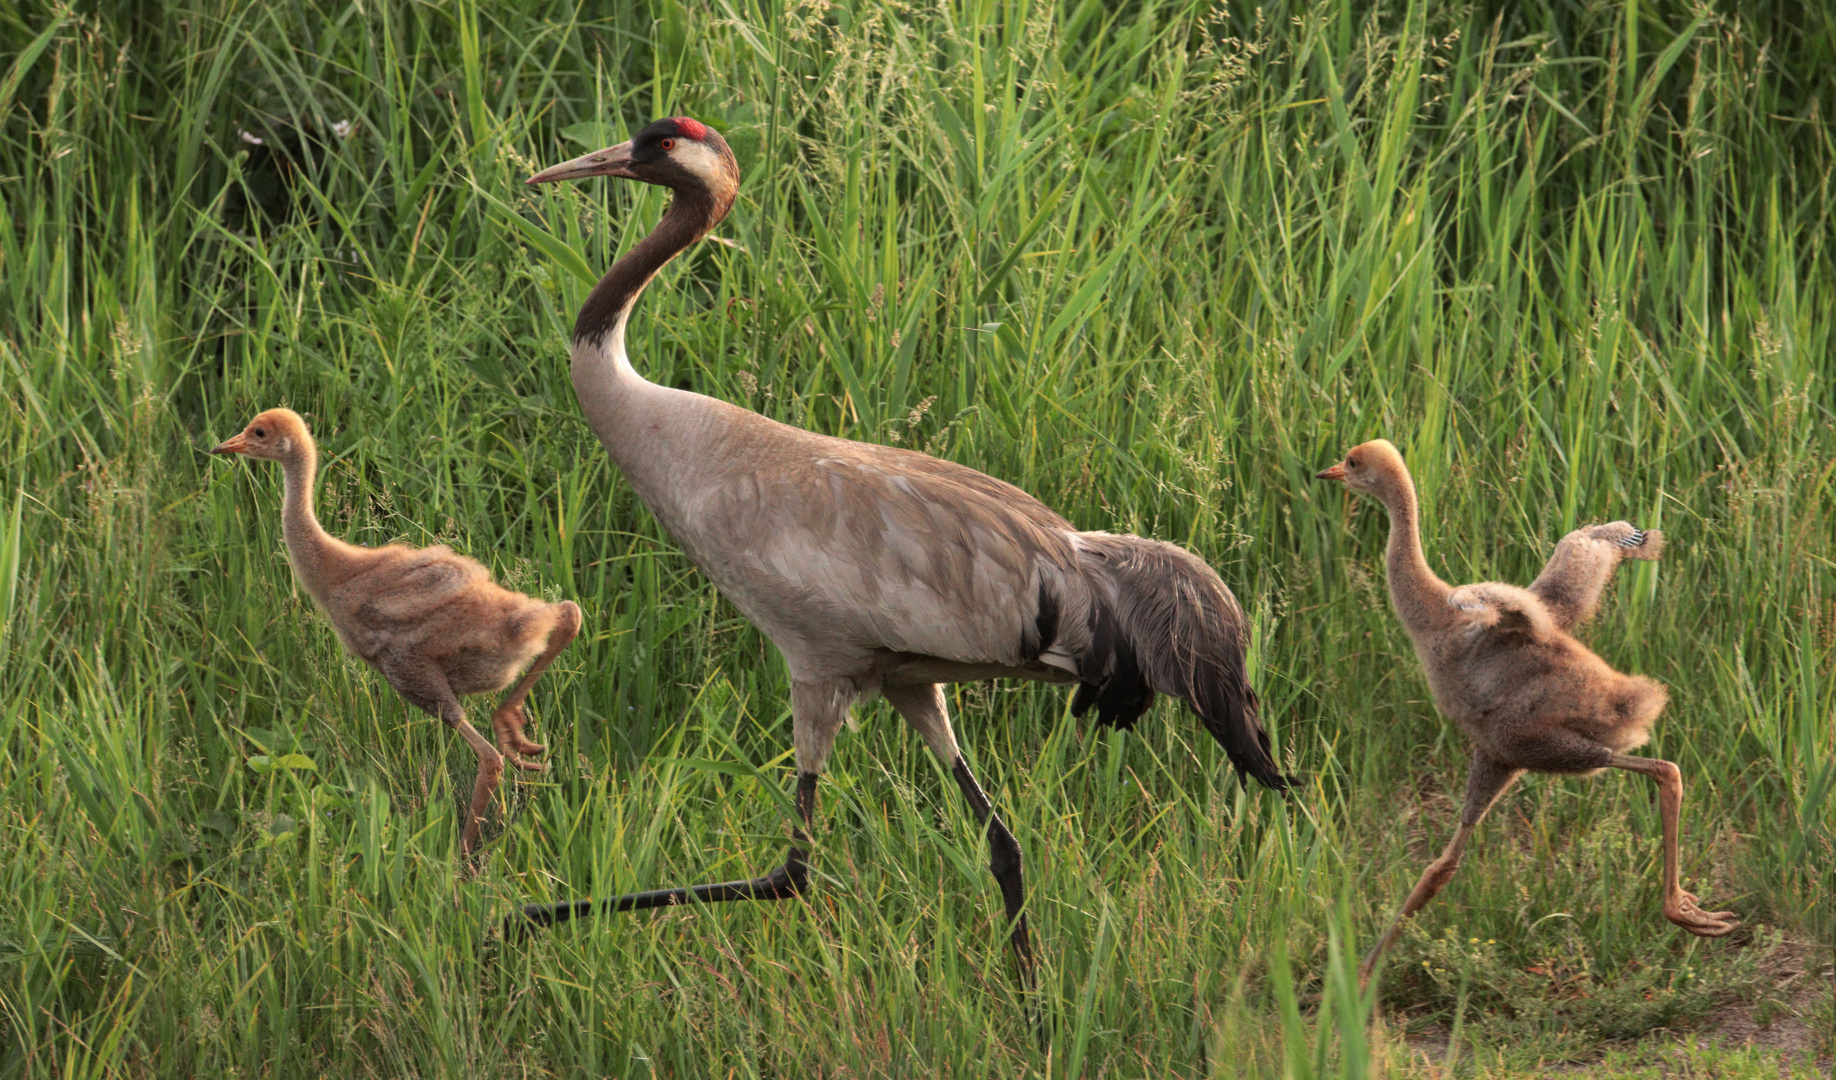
<point>922,705</point>
<point>817,712</point>
<point>1004,863</point>
<point>782,883</point>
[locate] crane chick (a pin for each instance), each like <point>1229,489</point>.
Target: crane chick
<point>431,621</point>
<point>1501,665</point>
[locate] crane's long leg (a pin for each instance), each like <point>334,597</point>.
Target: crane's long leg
<point>1679,906</point>
<point>816,714</point>
<point>507,721</point>
<point>1004,864</point>
<point>923,708</point>
<point>782,883</point>
<point>1485,782</point>
<point>425,686</point>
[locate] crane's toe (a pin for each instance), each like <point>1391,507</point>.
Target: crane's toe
<point>1712,927</point>
<point>1683,911</point>
<point>520,762</point>
<point>508,725</point>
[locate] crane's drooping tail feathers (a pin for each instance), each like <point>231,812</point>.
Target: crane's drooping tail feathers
<point>1163,621</point>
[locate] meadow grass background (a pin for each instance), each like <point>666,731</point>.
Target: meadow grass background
<point>1156,262</point>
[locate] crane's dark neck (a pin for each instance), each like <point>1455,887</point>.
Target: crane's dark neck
<point>647,429</point>
<point>691,214</point>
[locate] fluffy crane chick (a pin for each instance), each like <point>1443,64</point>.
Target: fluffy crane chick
<point>431,621</point>
<point>1502,665</point>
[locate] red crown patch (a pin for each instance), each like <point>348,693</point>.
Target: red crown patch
<point>692,129</point>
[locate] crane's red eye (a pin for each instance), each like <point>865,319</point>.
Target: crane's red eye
<point>668,144</point>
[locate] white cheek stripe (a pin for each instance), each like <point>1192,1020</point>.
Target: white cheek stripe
<point>699,159</point>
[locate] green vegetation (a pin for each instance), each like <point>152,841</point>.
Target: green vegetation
<point>1155,262</point>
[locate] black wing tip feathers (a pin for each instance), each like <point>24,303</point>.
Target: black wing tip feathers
<point>1043,634</point>
<point>1121,705</point>
<point>1118,706</point>
<point>1256,760</point>
<point>1280,783</point>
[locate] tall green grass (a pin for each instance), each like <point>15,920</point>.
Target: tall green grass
<point>1156,262</point>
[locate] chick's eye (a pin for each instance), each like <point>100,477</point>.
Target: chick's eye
<point>1352,461</point>
<point>668,144</point>
<point>260,433</point>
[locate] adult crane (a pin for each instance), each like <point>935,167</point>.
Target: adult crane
<point>877,570</point>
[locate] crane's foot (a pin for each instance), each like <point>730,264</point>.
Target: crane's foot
<point>1681,909</point>
<point>507,722</point>
<point>784,882</point>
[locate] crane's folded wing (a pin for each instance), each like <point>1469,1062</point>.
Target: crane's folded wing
<point>892,548</point>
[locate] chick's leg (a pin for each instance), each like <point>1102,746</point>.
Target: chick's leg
<point>424,684</point>
<point>507,721</point>
<point>1679,906</point>
<point>484,783</point>
<point>1485,782</point>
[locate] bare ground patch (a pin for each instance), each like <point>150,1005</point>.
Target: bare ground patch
<point>1791,1021</point>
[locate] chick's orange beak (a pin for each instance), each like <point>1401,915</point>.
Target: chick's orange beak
<point>235,445</point>
<point>1337,472</point>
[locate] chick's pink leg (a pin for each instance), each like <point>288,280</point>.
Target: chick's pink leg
<point>1679,906</point>
<point>1485,782</point>
<point>484,783</point>
<point>507,722</point>
<point>427,688</point>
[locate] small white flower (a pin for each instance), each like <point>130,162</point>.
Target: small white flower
<point>342,129</point>
<point>249,137</point>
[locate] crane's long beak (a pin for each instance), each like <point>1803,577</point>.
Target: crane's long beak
<point>1337,472</point>
<point>612,161</point>
<point>234,445</point>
